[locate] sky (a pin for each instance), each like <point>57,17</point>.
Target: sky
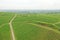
<point>30,4</point>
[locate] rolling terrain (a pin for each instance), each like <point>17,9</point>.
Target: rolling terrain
<point>15,26</point>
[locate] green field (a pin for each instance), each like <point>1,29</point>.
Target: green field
<point>30,26</point>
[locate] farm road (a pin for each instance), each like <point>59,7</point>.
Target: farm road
<point>45,27</point>
<point>11,27</point>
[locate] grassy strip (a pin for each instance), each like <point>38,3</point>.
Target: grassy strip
<point>45,27</point>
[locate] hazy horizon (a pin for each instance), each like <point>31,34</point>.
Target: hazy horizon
<point>29,4</point>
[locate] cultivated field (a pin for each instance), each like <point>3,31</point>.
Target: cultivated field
<point>32,26</point>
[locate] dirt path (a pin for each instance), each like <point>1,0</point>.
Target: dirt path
<point>11,27</point>
<point>45,27</point>
<point>57,23</point>
<point>3,25</point>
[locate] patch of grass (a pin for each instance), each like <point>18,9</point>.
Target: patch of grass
<point>25,31</point>
<point>5,33</point>
<point>5,17</point>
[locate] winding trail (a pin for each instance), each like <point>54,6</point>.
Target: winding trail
<point>45,27</point>
<point>11,27</point>
<point>3,25</point>
<point>57,23</point>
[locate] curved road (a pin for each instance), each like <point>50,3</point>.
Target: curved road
<point>45,27</point>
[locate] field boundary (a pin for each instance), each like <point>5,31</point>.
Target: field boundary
<point>45,27</point>
<point>57,23</point>
<point>3,25</point>
<point>47,23</point>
